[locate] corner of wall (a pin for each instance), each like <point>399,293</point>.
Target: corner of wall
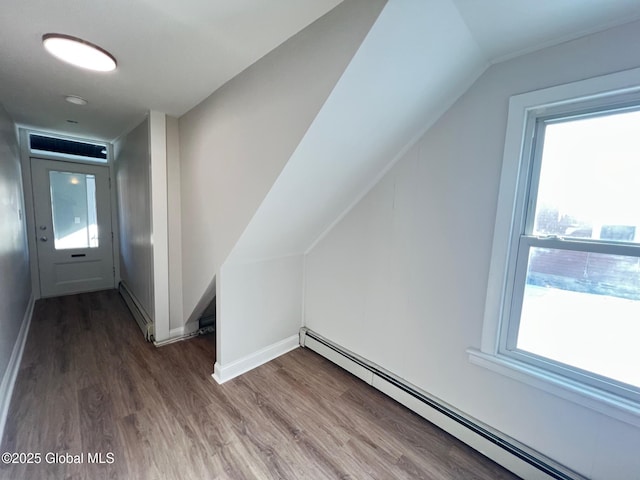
<point>10,374</point>
<point>159,223</point>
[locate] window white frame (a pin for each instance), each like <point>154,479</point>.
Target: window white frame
<point>67,156</point>
<point>607,92</point>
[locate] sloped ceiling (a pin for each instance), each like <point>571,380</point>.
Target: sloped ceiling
<point>508,28</point>
<point>418,58</point>
<point>171,55</point>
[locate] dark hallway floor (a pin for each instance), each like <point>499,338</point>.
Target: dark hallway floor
<point>90,384</point>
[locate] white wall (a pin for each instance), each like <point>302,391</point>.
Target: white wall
<point>399,82</point>
<point>159,224</point>
<point>146,159</point>
<point>235,143</point>
<point>260,303</point>
<point>174,225</point>
<point>401,279</point>
<point>15,278</point>
<point>133,178</point>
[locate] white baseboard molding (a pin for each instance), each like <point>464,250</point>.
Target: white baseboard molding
<point>142,319</point>
<point>178,334</point>
<point>11,373</point>
<point>500,448</point>
<point>224,373</point>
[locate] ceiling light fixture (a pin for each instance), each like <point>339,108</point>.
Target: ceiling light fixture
<point>78,52</point>
<point>76,100</point>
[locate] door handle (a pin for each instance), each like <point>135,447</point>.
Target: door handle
<point>43,227</point>
<point>43,238</point>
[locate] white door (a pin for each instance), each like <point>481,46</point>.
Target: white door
<point>73,227</point>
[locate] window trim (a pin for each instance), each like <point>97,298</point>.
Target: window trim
<point>611,91</point>
<point>68,156</point>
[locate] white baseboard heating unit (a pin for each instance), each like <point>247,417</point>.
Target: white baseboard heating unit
<point>500,448</point>
<point>142,319</point>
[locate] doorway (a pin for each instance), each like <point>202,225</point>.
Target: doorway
<point>74,235</point>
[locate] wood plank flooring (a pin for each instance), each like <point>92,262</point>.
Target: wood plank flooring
<point>89,383</point>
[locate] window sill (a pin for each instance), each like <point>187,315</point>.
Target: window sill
<point>586,396</point>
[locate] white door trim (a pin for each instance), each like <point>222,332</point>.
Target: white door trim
<point>65,267</point>
<point>25,164</point>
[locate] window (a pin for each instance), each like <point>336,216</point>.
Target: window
<point>575,301</point>
<point>74,210</point>
<point>563,302</point>
<point>67,148</point>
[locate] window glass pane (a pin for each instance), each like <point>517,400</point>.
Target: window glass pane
<point>87,151</point>
<point>583,309</point>
<point>590,179</point>
<point>73,207</point>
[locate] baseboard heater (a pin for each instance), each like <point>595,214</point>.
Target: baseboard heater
<point>142,319</point>
<point>502,449</point>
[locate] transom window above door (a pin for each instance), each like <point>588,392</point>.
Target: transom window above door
<point>67,148</point>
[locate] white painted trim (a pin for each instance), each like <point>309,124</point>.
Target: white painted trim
<point>177,335</point>
<point>174,222</point>
<point>64,157</point>
<point>224,373</point>
<point>29,213</point>
<point>115,226</point>
<point>177,332</point>
<point>169,341</point>
<point>65,136</point>
<point>159,224</point>
<point>577,392</point>
<point>11,373</point>
<point>29,210</point>
<point>618,89</point>
<point>303,303</point>
<point>219,325</point>
<point>521,108</point>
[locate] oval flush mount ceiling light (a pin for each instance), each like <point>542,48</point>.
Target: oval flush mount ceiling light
<point>78,52</point>
<point>76,100</point>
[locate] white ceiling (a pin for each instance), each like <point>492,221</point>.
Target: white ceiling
<point>173,54</point>
<point>418,58</point>
<point>507,28</point>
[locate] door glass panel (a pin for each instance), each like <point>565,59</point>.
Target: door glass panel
<point>73,208</point>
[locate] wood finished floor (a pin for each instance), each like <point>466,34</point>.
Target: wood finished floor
<point>89,383</point>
